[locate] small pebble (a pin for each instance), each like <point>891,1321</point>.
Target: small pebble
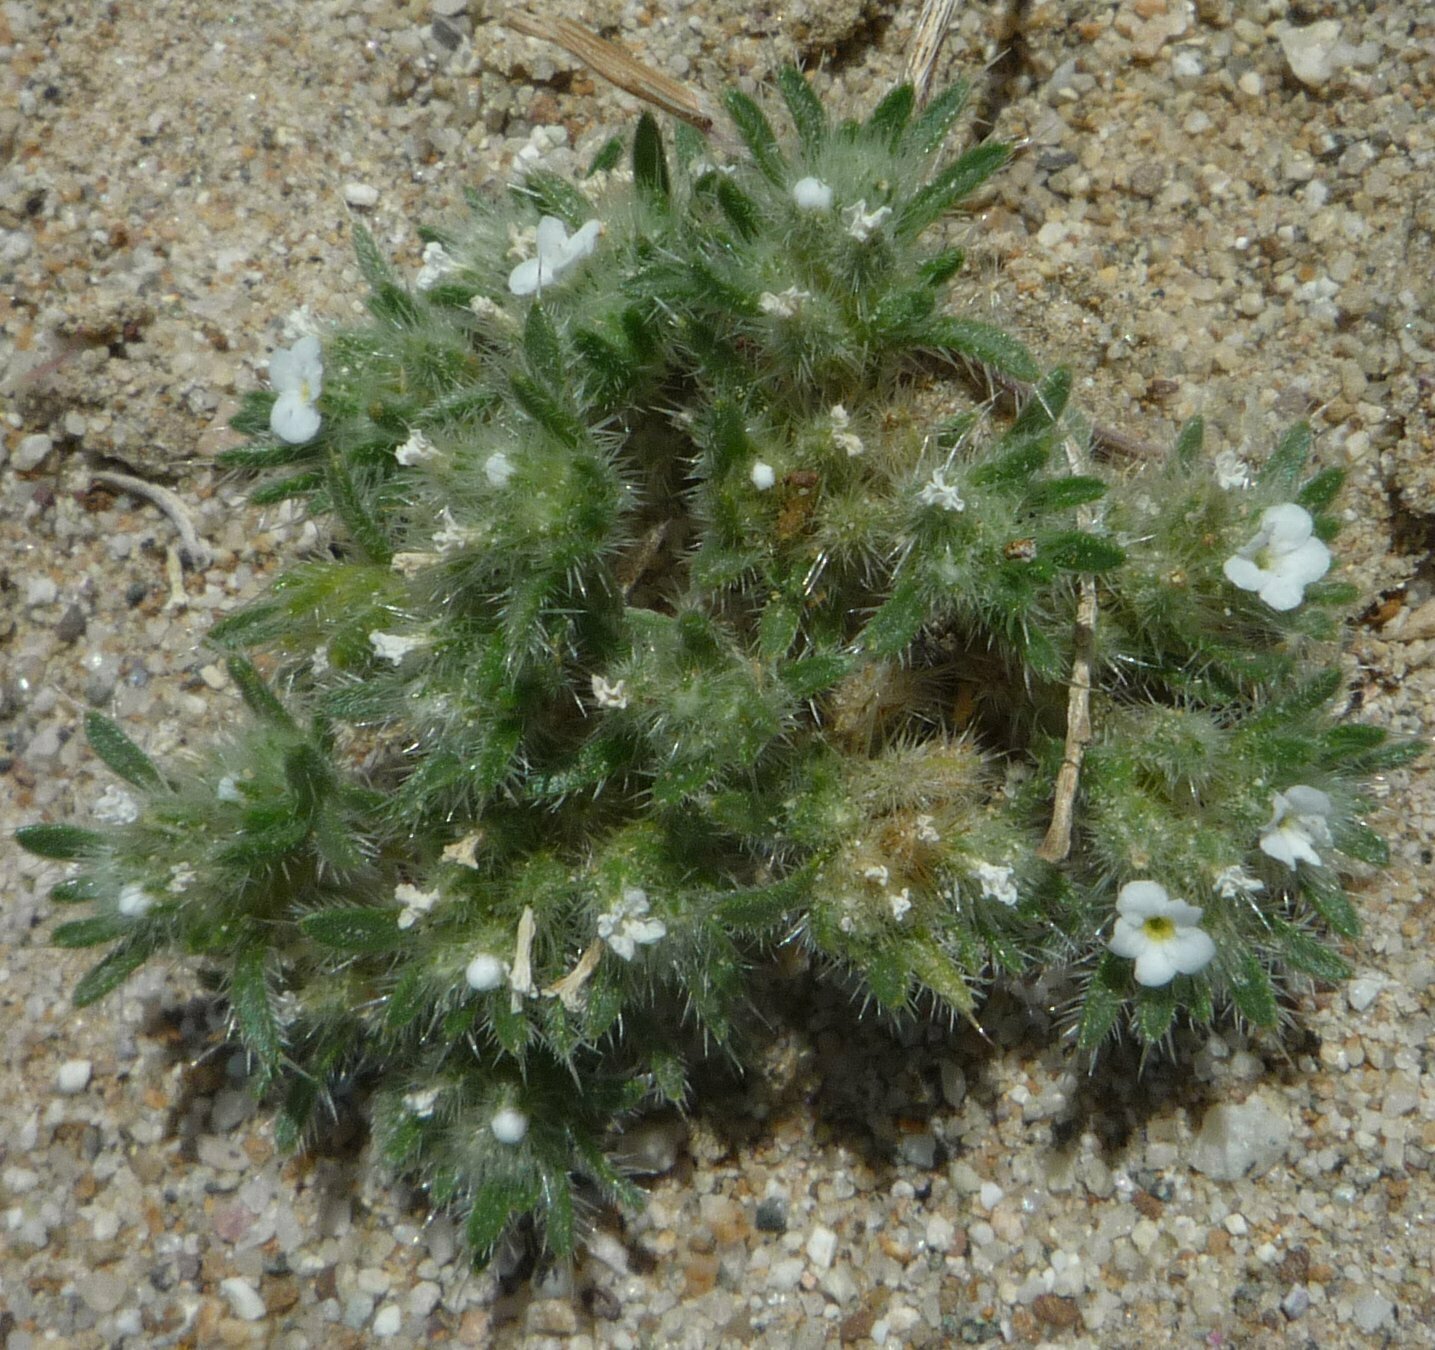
<point>388,1320</point>
<point>991,1195</point>
<point>821,1247</point>
<point>40,591</point>
<point>772,1215</point>
<point>361,195</point>
<point>244,1299</point>
<point>31,452</point>
<point>1372,1311</point>
<point>73,1076</point>
<point>1296,1303</point>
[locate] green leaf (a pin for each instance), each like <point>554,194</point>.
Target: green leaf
<point>354,930</point>
<point>92,932</point>
<point>558,1228</point>
<point>296,485</point>
<point>1317,494</point>
<point>547,411</point>
<point>1363,844</point>
<point>805,109</point>
<point>1155,1011</point>
<point>554,195</point>
<point>813,675</point>
<point>985,343</point>
<point>257,695</point>
<point>1061,494</point>
<point>1283,469</point>
<point>293,1118</point>
<point>888,975</point>
<point>256,457</point>
<point>935,969</point>
<point>542,347</point>
<point>762,906</point>
<point>252,419</point>
<point>112,972</point>
<point>254,1011</point>
<point>64,842</point>
<point>1042,408</point>
<point>350,506</point>
<point>897,622</point>
<point>1015,469</point>
<point>777,629</point>
<point>1105,997</point>
<point>756,131</point>
<point>1189,441</point>
<point>941,267</point>
<point>372,263</point>
<point>1251,990</point>
<point>76,891</point>
<point>650,161</point>
<point>495,1203</point>
<point>609,155</point>
<point>392,304</point>
<point>612,371</point>
<point>958,180</point>
<point>929,132</point>
<point>738,207</point>
<point>310,778</point>
<point>1302,952</point>
<point>890,117</point>
<point>1075,551</point>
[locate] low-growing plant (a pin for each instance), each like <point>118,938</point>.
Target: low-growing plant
<point>685,604</point>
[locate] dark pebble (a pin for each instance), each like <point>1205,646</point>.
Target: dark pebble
<point>71,626</point>
<point>772,1215</point>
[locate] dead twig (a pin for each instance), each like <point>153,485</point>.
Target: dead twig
<point>926,44</point>
<point>617,67</point>
<point>1057,844</point>
<point>193,550</point>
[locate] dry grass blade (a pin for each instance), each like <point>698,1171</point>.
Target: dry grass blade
<point>617,66</point>
<point>926,45</point>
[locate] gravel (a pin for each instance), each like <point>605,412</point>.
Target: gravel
<point>1223,209</point>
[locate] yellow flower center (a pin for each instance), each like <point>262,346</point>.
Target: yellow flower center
<point>1159,928</point>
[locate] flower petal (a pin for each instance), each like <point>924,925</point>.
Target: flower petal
<point>1128,940</point>
<point>1244,573</point>
<point>1305,800</point>
<point>1287,525</point>
<point>1143,900</point>
<point>1191,950</point>
<point>1154,967</point>
<point>1282,593</point>
<point>552,239</point>
<point>527,277</point>
<point>293,419</point>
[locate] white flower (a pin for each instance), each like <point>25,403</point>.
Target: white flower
<point>116,806</point>
<point>486,972</point>
<point>394,646</point>
<point>861,222</point>
<point>134,900</point>
<point>939,492</point>
<point>900,903</point>
<point>845,439</point>
<point>1232,471</point>
<point>416,903</point>
<point>437,264</point>
<point>180,875</point>
<point>498,468</point>
<point>607,695</point>
<point>1235,883</point>
<point>319,662</point>
<point>626,926</point>
<point>926,831</point>
<point>418,449</point>
<point>509,1125</point>
<point>876,873</point>
<point>409,565</point>
<point>762,476</point>
<point>811,194</point>
<point>421,1104</point>
<point>297,375</point>
<point>1282,560</point>
<point>783,305</point>
<point>1160,934</point>
<point>227,789</point>
<point>1299,820</point>
<point>557,253</point>
<point>997,883</point>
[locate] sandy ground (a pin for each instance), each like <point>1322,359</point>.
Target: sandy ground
<point>1224,208</point>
